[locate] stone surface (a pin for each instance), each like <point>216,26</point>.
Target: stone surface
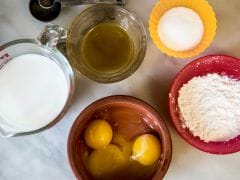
<point>43,155</point>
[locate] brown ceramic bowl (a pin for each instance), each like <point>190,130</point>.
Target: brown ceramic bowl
<point>152,122</point>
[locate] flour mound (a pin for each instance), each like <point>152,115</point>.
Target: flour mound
<point>210,107</point>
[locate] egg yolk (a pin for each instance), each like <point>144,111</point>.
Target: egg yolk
<point>124,145</point>
<point>106,162</point>
<point>98,134</point>
<point>146,149</point>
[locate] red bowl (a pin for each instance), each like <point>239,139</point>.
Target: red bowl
<point>221,64</point>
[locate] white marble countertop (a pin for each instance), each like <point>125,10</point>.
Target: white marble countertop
<point>43,156</point>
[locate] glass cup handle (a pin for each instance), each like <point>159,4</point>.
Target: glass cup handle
<point>53,36</point>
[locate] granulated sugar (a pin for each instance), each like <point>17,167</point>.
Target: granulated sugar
<point>210,107</point>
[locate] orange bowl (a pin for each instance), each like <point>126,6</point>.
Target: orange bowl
<point>201,7</point>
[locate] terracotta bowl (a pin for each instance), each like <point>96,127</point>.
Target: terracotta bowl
<point>221,64</point>
<point>128,125</point>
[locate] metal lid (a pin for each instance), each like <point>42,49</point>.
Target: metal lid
<point>46,11</point>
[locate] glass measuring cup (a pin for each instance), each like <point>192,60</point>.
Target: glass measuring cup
<point>19,47</point>
<point>84,22</point>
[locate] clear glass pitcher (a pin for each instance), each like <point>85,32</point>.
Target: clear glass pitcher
<point>19,47</point>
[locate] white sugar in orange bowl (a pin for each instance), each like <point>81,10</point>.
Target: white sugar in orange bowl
<point>182,28</point>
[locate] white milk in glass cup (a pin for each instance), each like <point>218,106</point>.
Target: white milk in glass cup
<point>37,85</point>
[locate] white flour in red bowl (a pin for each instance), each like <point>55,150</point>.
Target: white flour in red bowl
<point>210,107</point>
